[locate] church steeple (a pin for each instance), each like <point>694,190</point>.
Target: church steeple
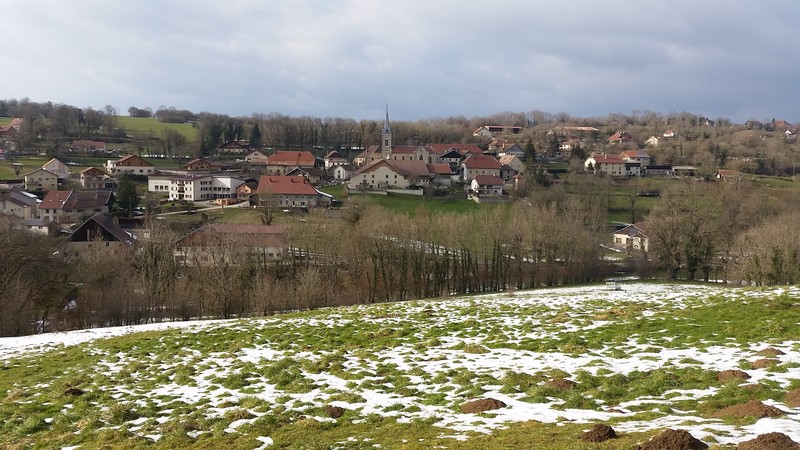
<point>386,136</point>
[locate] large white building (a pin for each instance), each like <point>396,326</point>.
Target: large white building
<point>194,188</point>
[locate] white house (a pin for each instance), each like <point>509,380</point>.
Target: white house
<point>256,157</point>
<point>487,185</point>
<point>194,188</point>
<point>131,165</point>
<point>342,172</point>
<point>57,167</point>
<point>608,164</point>
<point>633,237</point>
<point>41,180</point>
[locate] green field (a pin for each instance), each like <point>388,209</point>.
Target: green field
<point>642,359</point>
<point>151,126</point>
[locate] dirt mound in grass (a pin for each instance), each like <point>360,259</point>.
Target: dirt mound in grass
<point>769,441</point>
<point>334,412</point>
<point>763,363</point>
<point>73,392</point>
<point>734,374</point>
<point>769,351</point>
<point>562,384</point>
<point>481,405</point>
<point>753,408</point>
<point>792,398</point>
<point>673,440</point>
<point>599,433</point>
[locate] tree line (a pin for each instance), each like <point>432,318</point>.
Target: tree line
<point>49,127</point>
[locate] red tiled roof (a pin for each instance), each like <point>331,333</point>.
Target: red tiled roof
<point>620,136</point>
<point>481,162</point>
<point>601,158</point>
<point>54,199</point>
<point>505,159</point>
<point>89,170</point>
<point>292,158</point>
<point>76,199</point>
<point>134,160</point>
<point>285,185</point>
<point>488,180</point>
<point>413,168</point>
<point>440,169</point>
<point>368,152</point>
<point>634,154</point>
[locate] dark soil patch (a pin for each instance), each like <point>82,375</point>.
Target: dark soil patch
<point>769,441</point>
<point>599,433</point>
<point>792,398</point>
<point>562,384</point>
<point>763,363</point>
<point>73,392</point>
<point>769,351</point>
<point>734,374</point>
<point>481,405</point>
<point>674,440</point>
<point>753,408</point>
<point>334,412</point>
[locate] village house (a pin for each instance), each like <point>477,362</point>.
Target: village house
<point>475,165</point>
<point>246,189</point>
<point>20,204</point>
<point>256,158</point>
<point>391,174</point>
<point>727,175</point>
<point>511,148</point>
<point>512,161</point>
<point>632,237</point>
<point>200,165</point>
<point>214,244</point>
<point>9,130</point>
<point>620,137</point>
<point>73,206</point>
<point>609,164</point>
<point>333,159</point>
<point>488,131</point>
<point>652,141</point>
<point>194,187</point>
<point>342,173</point>
<point>290,192</point>
<point>57,167</point>
<point>130,165</point>
<point>233,148</point>
<point>93,178</point>
<point>640,157</point>
<point>40,180</point>
<point>487,186</point>
<point>280,162</point>
<point>99,233</point>
<point>314,175</point>
<point>664,170</point>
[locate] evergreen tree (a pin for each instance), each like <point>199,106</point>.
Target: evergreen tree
<point>126,197</point>
<point>255,137</point>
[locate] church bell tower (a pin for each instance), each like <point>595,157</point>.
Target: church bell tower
<point>386,137</point>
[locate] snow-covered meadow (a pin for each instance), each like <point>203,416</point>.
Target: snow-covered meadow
<point>642,358</point>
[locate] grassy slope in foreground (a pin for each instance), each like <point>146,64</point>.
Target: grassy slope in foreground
<point>642,359</point>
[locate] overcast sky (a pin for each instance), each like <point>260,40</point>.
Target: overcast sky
<point>738,59</point>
